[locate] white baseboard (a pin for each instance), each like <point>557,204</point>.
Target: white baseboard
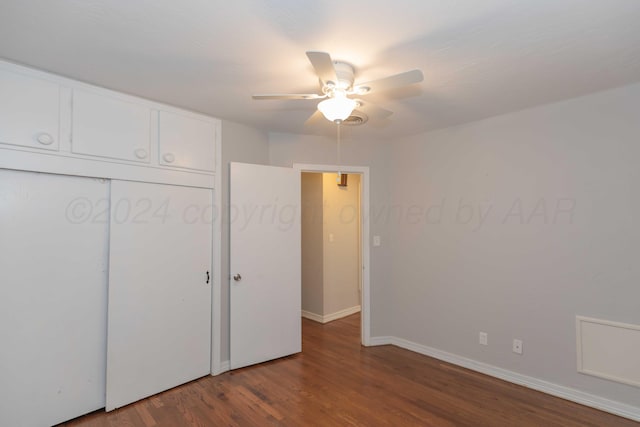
<point>330,317</point>
<point>224,367</point>
<point>342,313</point>
<point>373,341</point>
<point>587,399</point>
<point>312,316</point>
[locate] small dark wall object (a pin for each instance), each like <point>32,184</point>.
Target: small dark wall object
<point>343,180</point>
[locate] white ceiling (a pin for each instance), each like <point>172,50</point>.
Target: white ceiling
<point>479,58</point>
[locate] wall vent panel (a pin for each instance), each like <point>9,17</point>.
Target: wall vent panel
<point>609,350</point>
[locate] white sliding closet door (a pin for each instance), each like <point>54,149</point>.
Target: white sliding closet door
<point>159,319</point>
<point>53,296</point>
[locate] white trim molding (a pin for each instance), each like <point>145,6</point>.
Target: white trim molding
<point>330,317</point>
<point>313,316</point>
<point>577,396</point>
<point>225,366</point>
<point>375,341</point>
<point>342,313</point>
<point>217,283</point>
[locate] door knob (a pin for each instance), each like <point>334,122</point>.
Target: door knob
<point>237,277</point>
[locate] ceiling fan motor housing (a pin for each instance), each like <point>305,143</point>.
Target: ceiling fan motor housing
<point>345,75</point>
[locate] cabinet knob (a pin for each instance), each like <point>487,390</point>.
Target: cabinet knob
<point>44,138</point>
<point>168,157</point>
<point>141,153</point>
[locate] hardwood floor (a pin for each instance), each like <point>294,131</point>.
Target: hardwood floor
<point>336,382</point>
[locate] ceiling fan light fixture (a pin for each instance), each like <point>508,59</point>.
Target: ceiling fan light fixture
<point>338,107</point>
<point>337,81</point>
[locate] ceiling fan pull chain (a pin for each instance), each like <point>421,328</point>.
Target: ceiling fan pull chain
<point>338,154</point>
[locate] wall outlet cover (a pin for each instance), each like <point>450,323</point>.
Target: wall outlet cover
<point>517,346</point>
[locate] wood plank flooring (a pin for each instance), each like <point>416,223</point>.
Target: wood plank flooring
<point>336,382</point>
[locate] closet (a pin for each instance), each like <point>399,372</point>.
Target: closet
<point>159,281</point>
<point>53,290</point>
<point>107,229</point>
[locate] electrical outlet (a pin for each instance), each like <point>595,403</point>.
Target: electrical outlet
<point>484,338</point>
<point>517,346</point>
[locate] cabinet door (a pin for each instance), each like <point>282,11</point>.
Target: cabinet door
<point>53,297</point>
<point>187,142</point>
<point>159,321</point>
<point>29,111</point>
<point>110,127</point>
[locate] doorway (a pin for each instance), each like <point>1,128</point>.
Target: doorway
<point>335,238</point>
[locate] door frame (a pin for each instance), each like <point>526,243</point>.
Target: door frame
<point>363,171</point>
<point>217,365</point>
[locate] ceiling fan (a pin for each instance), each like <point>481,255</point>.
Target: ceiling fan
<point>337,84</point>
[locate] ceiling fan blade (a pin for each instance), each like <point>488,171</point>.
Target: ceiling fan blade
<point>373,111</point>
<point>391,82</point>
<point>316,119</point>
<point>288,96</point>
<point>323,65</point>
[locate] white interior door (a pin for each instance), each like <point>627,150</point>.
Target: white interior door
<point>265,256</point>
<point>53,296</point>
<point>159,317</point>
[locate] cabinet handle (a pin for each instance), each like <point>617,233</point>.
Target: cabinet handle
<point>168,157</point>
<point>44,138</point>
<point>208,278</point>
<point>141,153</point>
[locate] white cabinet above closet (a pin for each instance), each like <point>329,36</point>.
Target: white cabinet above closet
<point>185,141</point>
<point>29,111</point>
<point>110,127</point>
<point>57,125</point>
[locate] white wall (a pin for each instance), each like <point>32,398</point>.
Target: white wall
<point>239,144</point>
<point>512,225</point>
<point>516,224</point>
<point>286,149</point>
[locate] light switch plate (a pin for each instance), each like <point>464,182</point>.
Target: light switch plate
<point>376,240</point>
<point>484,338</point>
